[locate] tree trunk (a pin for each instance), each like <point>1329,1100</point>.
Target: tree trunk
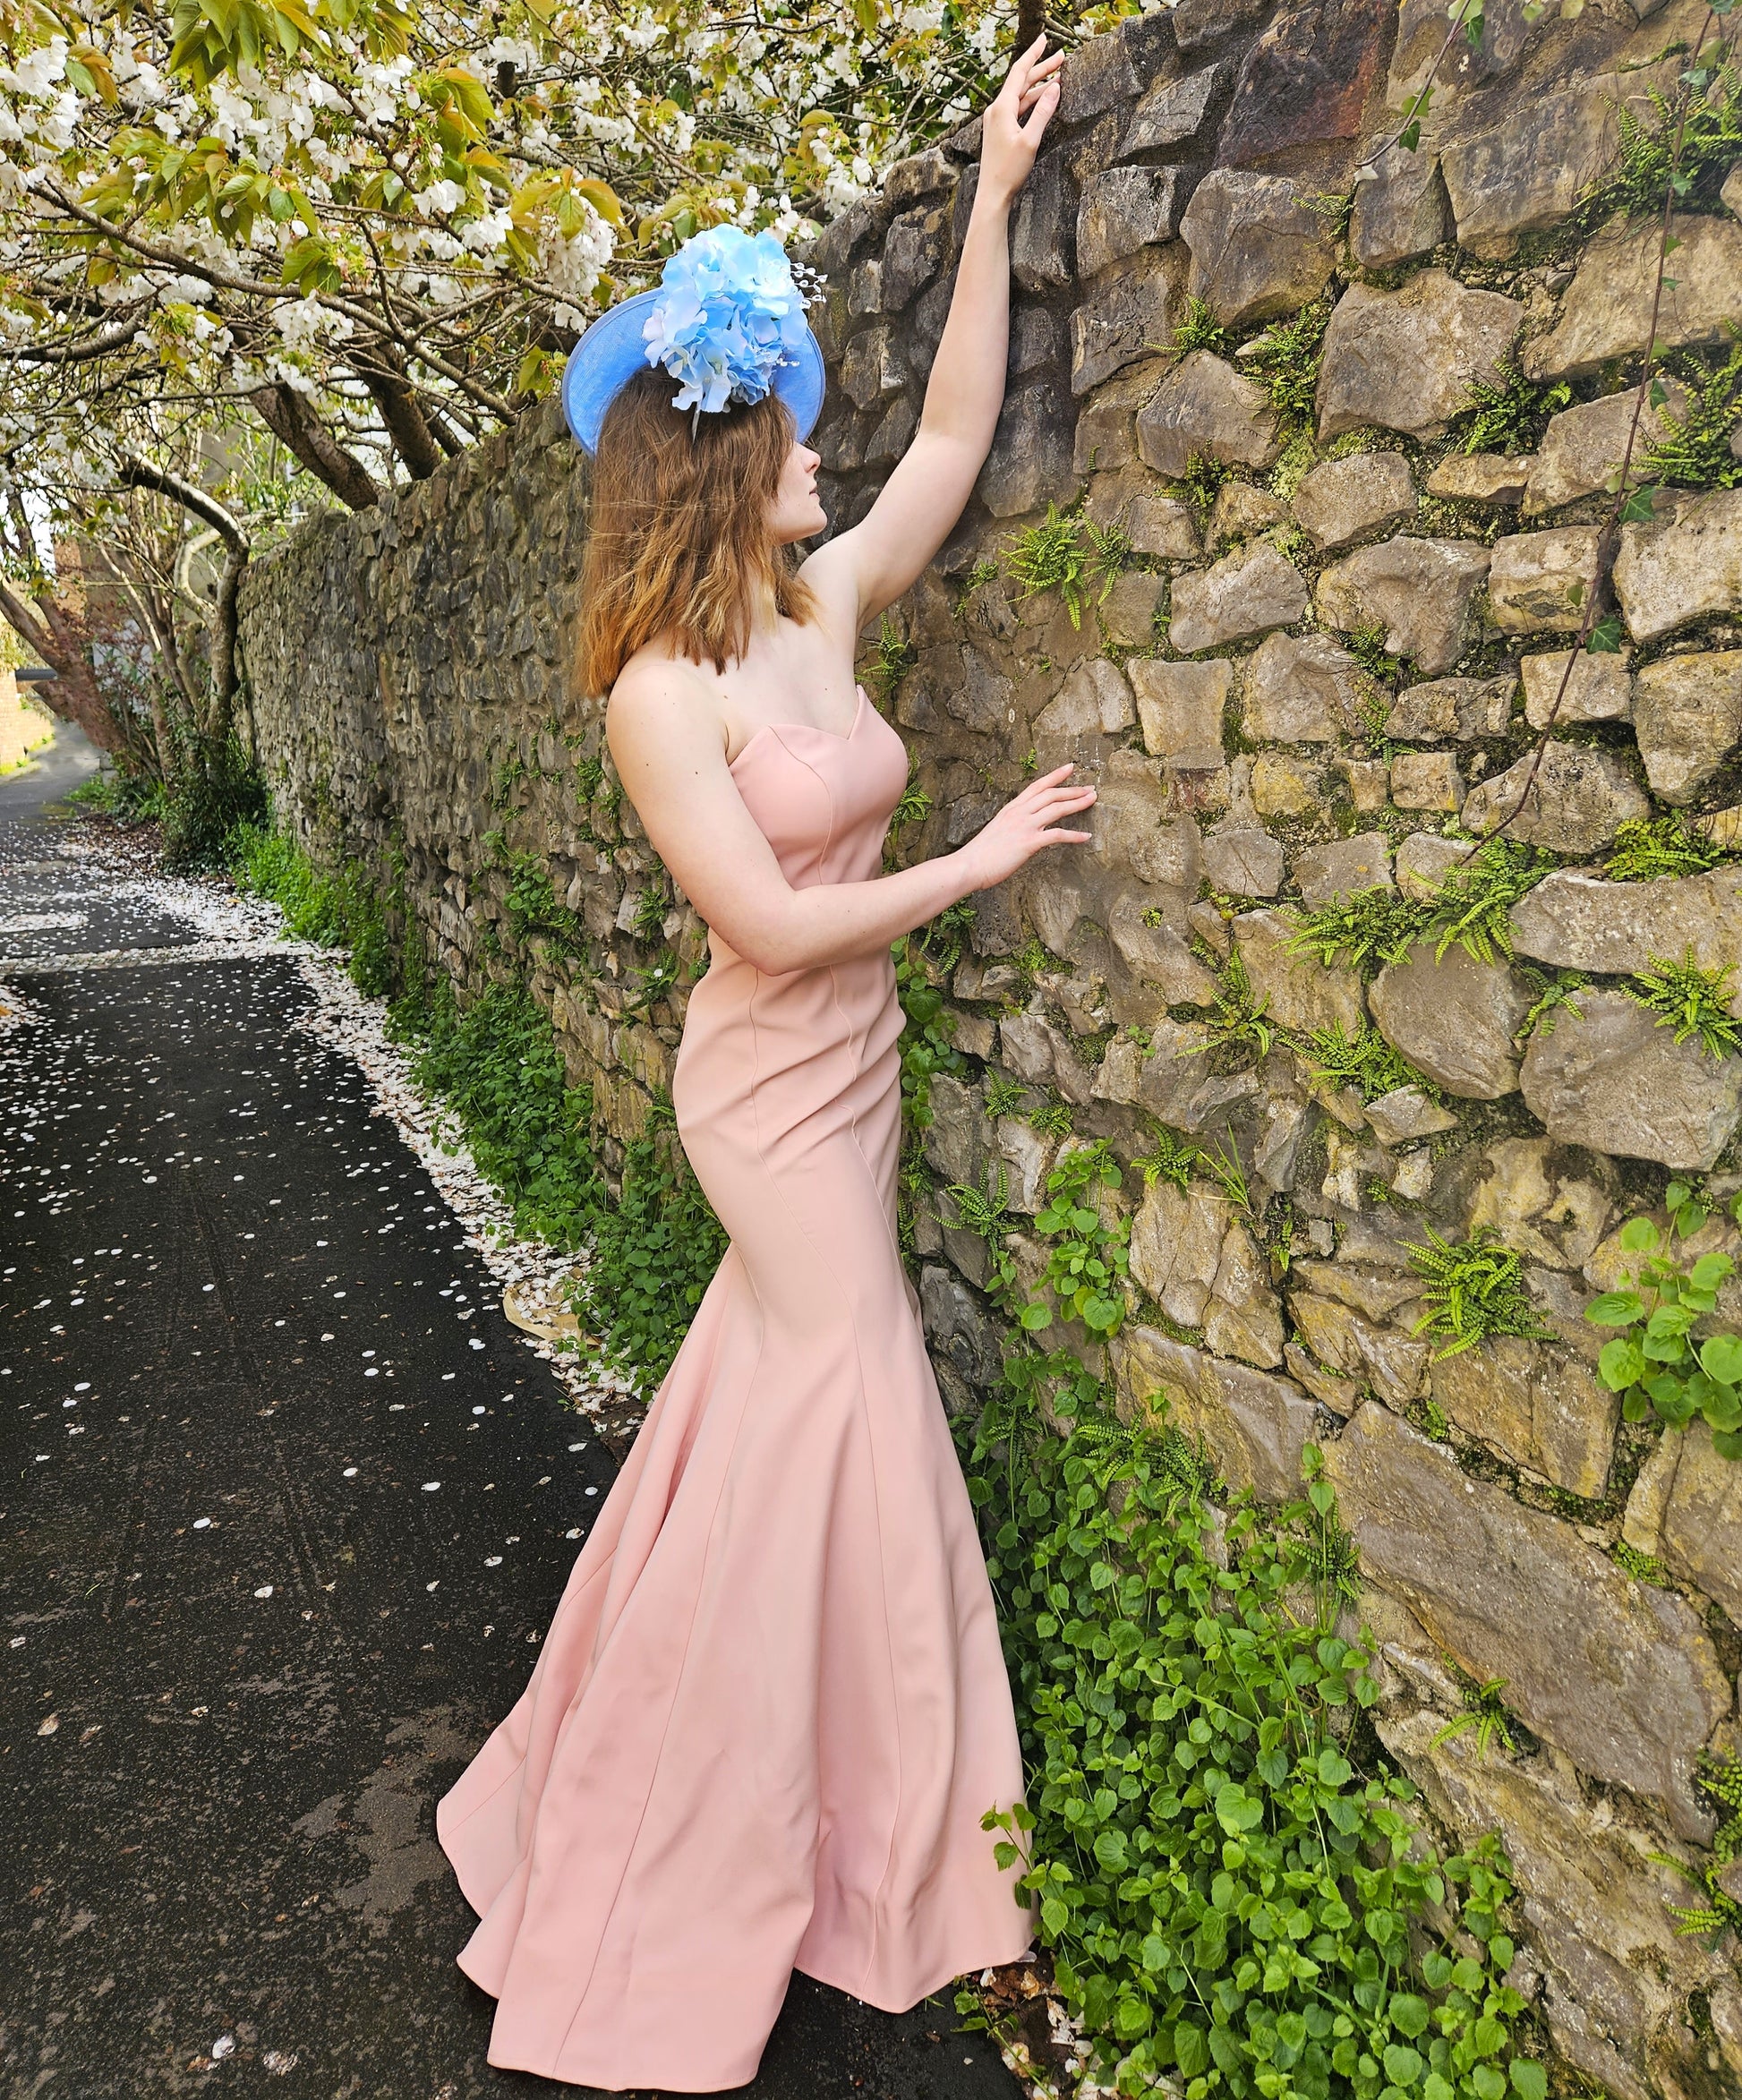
<point>61,637</point>
<point>288,416</point>
<point>382,370</point>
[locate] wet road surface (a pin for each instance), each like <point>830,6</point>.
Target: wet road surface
<point>284,1508</point>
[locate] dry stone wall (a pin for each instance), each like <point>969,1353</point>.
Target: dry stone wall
<point>1320,671</point>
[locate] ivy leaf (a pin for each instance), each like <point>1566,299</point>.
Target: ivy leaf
<point>1606,637</point>
<point>1639,504</point>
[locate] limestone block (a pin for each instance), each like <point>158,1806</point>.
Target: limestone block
<point>1181,707</point>
<point>1158,955</point>
<point>1582,448</point>
<point>1176,1249</point>
<point>1687,716</point>
<point>920,176</point>
<point>1370,783</point>
<point>911,256</point>
<point>1253,1425</point>
<point>1607,310</point>
<point>1620,1676</point>
<point>1576,802</point>
<point>1132,311</point>
<point>1682,565</point>
<point>1578,921</point>
<point>1537,1404</point>
<point>1040,253</point>
<point>1127,614</point>
<point>956,1328</point>
<point>1426,779</point>
<point>1240,512</point>
<point>1094,701</point>
<point>1425,859</point>
<point>1205,408</point>
<point>1527,172</point>
<point>1686,1510</point>
<point>1257,248</point>
<point>1600,688</point>
<point>1420,592</point>
<point>1540,582</point>
<point>1172,111</point>
<point>960,1135</point>
<point>1243,593</point>
<point>1030,462</point>
<point>1395,1364</point>
<point>1303,689</point>
<point>1241,861</point>
<point>1343,499</point>
<point>1105,441</point>
<point>1401,211</point>
<point>1298,991</point>
<point>1455,1020</point>
<point>1244,1318</point>
<point>1405,1115</point>
<point>1125,208</point>
<point>1199,22</point>
<point>1334,872</point>
<point>1305,81</point>
<point>1480,477</point>
<point>1594,1893</point>
<point>1610,1079</point>
<point>1452,710</point>
<point>1157,524</point>
<point>1405,361</point>
<point>871,369</point>
<point>1550,1202</point>
<point>893,434</point>
<point>1284,786</point>
<point>1112,69</point>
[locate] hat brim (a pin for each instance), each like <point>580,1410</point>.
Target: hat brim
<point>614,349</point>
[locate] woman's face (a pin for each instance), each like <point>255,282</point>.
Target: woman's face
<point>796,513</point>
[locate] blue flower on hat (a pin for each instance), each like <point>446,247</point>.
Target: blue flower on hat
<point>728,314</point>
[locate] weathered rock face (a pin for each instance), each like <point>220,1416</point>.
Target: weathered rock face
<point>1616,1674</point>
<point>1303,689</point>
<point>1682,565</point>
<point>1611,1079</point>
<point>1344,499</point>
<point>1419,591</point>
<point>1573,800</point>
<point>1581,922</point>
<point>1204,409</point>
<point>1225,683</point>
<point>1583,447</point>
<point>1607,311</point>
<point>1405,361</point>
<point>1258,247</point>
<point>1455,1020</point>
<point>1686,1510</point>
<point>1245,593</point>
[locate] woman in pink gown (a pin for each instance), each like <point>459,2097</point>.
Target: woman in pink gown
<point>772,1711</point>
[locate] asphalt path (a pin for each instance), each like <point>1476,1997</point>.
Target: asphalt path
<point>284,1508</point>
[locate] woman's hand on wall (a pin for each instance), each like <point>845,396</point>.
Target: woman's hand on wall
<point>1008,144</point>
<point>1012,838</point>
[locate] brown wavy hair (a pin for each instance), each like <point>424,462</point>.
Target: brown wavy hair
<point>678,541</point>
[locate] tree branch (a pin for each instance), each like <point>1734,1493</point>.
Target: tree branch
<point>290,419</point>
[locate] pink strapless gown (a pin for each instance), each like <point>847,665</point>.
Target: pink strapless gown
<point>772,1707</point>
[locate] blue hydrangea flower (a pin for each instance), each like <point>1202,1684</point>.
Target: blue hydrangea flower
<point>727,315</point>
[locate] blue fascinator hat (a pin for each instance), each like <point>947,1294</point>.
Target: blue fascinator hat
<point>726,321</point>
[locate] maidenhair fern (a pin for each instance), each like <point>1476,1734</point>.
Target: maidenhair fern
<point>1473,1288</point>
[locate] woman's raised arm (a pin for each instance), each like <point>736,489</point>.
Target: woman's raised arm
<point>878,559</point>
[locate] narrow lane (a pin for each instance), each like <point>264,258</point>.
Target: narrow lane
<point>285,1506</point>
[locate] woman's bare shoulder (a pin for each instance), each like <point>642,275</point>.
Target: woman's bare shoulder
<point>657,697</point>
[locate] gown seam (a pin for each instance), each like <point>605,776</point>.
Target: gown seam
<point>665,1732</point>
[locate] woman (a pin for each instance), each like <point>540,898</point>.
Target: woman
<point>772,1711</point>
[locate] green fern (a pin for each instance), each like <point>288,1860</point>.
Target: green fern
<point>1646,848</point>
<point>1198,330</point>
<point>1692,1001</point>
<point>1472,906</point>
<point>1003,1096</point>
<point>1067,553</point>
<point>1512,416</point>
<point>1364,1059</point>
<point>1286,357</point>
<point>1367,930</point>
<point>1473,1288</point>
<point>1694,450</point>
